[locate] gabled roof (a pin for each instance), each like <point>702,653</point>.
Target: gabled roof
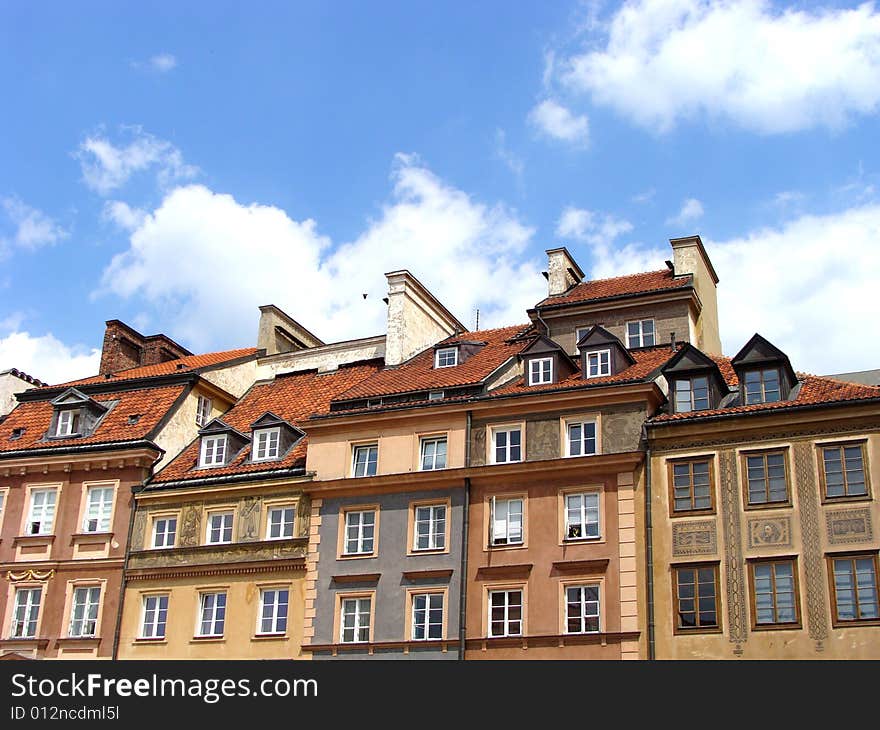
<point>218,425</point>
<point>74,397</point>
<point>34,417</point>
<point>291,397</point>
<point>619,287</point>
<point>189,364</point>
<point>760,351</point>
<point>598,336</point>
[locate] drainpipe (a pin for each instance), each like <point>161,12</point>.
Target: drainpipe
<point>649,548</point>
<point>462,590</point>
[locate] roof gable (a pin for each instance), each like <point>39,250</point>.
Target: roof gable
<point>73,397</point>
<point>597,337</point>
<point>759,351</point>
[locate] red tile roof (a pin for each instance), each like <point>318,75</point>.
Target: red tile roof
<point>191,363</point>
<point>292,397</point>
<point>150,404</point>
<point>617,286</point>
<point>419,373</point>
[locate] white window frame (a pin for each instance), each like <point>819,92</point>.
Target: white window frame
<point>361,618</point>
<point>209,456</point>
<point>583,441</point>
<point>274,617</point>
<point>66,420</point>
<point>209,526</point>
<point>585,606</point>
<point>442,354</point>
<point>264,449</point>
<point>103,513</point>
<point>603,369</point>
<point>210,614</point>
<point>427,624</point>
<point>91,604</point>
<point>641,336</point>
<point>355,450</point>
<point>26,613</point>
<point>204,408</point>
<point>360,539</point>
<point>506,539</point>
<point>159,617</point>
<point>167,519</point>
<point>436,535</point>
<point>583,510</point>
<point>280,510</point>
<point>47,523</point>
<point>540,380</point>
<point>436,440</point>
<point>496,431</point>
<point>436,395</point>
<point>507,605</point>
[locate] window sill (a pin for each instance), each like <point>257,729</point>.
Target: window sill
<point>48,537</point>
<point>357,556</point>
<point>87,535</point>
<point>40,643</point>
<point>768,506</point>
<point>207,639</point>
<point>777,627</point>
<point>515,546</point>
<point>692,513</point>
<point>855,624</point>
<point>576,540</point>
<point>149,640</point>
<point>846,499</point>
<point>270,637</point>
<point>427,551</point>
<point>78,640</point>
<point>698,630</point>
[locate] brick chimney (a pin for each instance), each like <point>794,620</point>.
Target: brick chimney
<point>125,347</point>
<point>562,271</point>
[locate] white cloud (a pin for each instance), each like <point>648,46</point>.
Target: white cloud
<point>123,215</point>
<point>808,285</point>
<point>467,253</point>
<point>556,121</point>
<point>691,210</point>
<point>107,166</point>
<point>46,357</point>
<point>32,228</point>
<point>763,69</point>
<point>160,63</point>
<point>591,227</point>
<point>511,161</point>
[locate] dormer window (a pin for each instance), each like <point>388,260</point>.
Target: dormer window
<point>761,386</point>
<point>446,357</point>
<point>598,363</point>
<point>68,423</point>
<point>266,443</point>
<point>213,451</point>
<point>692,394</point>
<point>541,371</point>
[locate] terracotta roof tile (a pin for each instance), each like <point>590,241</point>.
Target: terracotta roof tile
<point>292,397</point>
<point>642,283</point>
<point>182,365</point>
<point>150,404</point>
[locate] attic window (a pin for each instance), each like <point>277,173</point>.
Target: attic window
<point>17,433</point>
<point>598,363</point>
<point>134,418</point>
<point>541,371</point>
<point>446,357</point>
<point>436,395</point>
<point>761,386</point>
<point>691,394</point>
<point>266,443</point>
<point>213,451</point>
<point>68,423</point>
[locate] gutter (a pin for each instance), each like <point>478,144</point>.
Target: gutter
<point>227,478</point>
<point>81,448</point>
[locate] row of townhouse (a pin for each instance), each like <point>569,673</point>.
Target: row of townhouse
<point>598,482</point>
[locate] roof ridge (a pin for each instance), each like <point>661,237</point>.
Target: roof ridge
<point>629,276</point>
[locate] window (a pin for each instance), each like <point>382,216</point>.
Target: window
<point>507,521</point>
<point>541,371</point>
<point>219,528</point>
<point>164,532</point>
<point>505,613</point>
<point>761,386</point>
<point>68,423</point>
<point>446,357</point>
<point>774,593</point>
<point>279,524</point>
<point>854,589</point>
<point>691,394</point>
<point>355,624</point>
<point>365,460</point>
<point>25,613</point>
<point>213,450</point>
<point>41,517</point>
<point>581,609</point>
<point>506,445</point>
<point>843,470</point>
<point>598,363</point>
<point>691,485</point>
<point>436,395</point>
<point>581,516</point>
<point>155,616</point>
<point>266,444</point>
<point>580,438</point>
<point>427,616</point>
<point>433,454</point>
<point>99,508</point>
<point>640,333</point>
<point>204,407</point>
<point>360,529</point>
<point>430,527</point>
<point>696,597</point>
<point>767,479</point>
<point>212,614</point>
<point>580,332</point>
<point>273,611</point>
<point>84,611</point>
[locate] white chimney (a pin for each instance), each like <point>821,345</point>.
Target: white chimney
<point>562,271</point>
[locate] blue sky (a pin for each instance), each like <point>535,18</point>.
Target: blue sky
<point>177,165</point>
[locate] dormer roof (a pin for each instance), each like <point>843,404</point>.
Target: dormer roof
<point>597,337</point>
<point>72,397</point>
<point>760,352</point>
